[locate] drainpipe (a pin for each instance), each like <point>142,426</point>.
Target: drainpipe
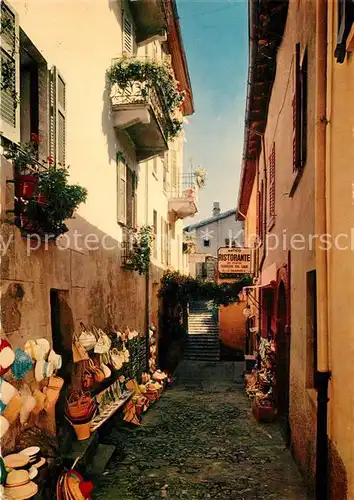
<point>147,278</point>
<point>323,373</point>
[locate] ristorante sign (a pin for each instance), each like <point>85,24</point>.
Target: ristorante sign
<point>234,260</point>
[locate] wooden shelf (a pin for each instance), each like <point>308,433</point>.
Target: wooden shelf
<point>108,411</point>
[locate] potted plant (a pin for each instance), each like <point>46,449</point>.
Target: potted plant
<point>56,200</point>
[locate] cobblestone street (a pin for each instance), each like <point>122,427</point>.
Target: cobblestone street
<point>201,441</point>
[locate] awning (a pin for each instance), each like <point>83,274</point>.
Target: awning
<point>268,278</point>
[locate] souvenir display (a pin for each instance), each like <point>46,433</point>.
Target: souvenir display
<point>22,364</point>
<point>19,485</point>
<point>28,403</point>
<point>260,382</point>
<point>55,359</point>
<point>13,409</point>
<point>4,426</point>
<point>87,338</point>
<point>103,343</point>
<point>79,352</point>
<point>52,391</point>
<point>7,356</point>
<point>43,369</point>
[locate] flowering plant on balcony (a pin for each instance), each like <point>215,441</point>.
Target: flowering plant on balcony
<point>200,176</point>
<point>44,199</point>
<point>128,73</point>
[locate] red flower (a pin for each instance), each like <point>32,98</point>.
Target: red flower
<point>35,138</point>
<point>50,160</point>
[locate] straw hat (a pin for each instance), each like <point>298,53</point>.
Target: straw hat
<point>37,465</point>
<point>56,359</point>
<point>43,370</point>
<point>4,426</point>
<point>7,356</point>
<point>19,485</point>
<point>16,461</point>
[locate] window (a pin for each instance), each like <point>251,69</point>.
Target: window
<point>9,59</point>
<point>345,23</point>
<point>299,114</point>
<point>206,243</point>
<point>311,315</point>
<point>155,233</point>
<point>272,186</point>
<point>122,191</point>
<point>259,222</point>
<point>128,36</point>
<point>230,242</point>
<point>173,168</point>
<point>154,165</point>
<point>165,173</point>
<point>162,234</point>
<point>126,193</point>
<point>57,116</point>
<point>167,256</point>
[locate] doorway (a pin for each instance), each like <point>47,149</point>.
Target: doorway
<point>62,324</point>
<point>283,362</point>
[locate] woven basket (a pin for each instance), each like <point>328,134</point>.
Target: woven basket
<point>13,409</point>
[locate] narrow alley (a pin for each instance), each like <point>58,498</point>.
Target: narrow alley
<point>201,441</point>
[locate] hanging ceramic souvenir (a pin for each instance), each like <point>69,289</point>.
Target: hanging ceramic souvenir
<point>43,370</point>
<point>22,364</point>
<point>7,356</point>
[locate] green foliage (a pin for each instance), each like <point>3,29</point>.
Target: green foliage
<point>61,197</point>
<point>150,75</point>
<point>23,155</point>
<point>177,288</point>
<point>139,259</point>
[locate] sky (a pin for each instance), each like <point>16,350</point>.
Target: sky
<point>215,35</point>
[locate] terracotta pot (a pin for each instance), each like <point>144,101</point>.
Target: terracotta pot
<point>82,431</point>
<point>41,199</point>
<point>25,186</point>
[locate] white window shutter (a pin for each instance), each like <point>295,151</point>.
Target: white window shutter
<point>10,56</point>
<point>57,117</point>
<point>61,119</point>
<point>121,191</point>
<point>128,36</point>
<point>53,114</point>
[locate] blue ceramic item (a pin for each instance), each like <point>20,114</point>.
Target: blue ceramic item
<point>21,365</point>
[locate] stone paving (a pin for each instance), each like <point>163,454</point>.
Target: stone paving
<point>200,441</point>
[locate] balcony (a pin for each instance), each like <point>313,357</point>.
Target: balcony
<point>183,200</point>
<point>144,103</point>
<point>151,19</point>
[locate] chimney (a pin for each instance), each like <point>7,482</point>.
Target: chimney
<point>216,208</point>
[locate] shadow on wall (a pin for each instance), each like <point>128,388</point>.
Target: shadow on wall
<point>100,291</point>
<point>338,477</point>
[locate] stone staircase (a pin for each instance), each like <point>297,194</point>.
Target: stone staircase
<point>203,334</point>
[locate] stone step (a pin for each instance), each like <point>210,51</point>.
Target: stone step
<point>99,462</point>
<point>198,358</point>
